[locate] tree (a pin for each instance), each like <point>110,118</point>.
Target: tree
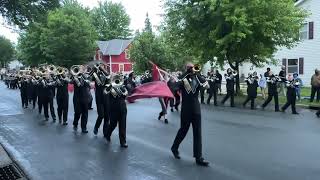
<point>111,21</point>
<point>235,31</point>
<point>147,47</point>
<point>29,50</point>
<point>22,12</point>
<point>6,50</point>
<point>68,37</point>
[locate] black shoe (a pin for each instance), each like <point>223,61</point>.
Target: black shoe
<point>46,119</point>
<point>202,162</point>
<point>60,121</point>
<point>175,154</point>
<point>202,102</point>
<point>90,108</point>
<point>108,138</point>
<point>215,104</point>
<point>54,120</point>
<point>282,110</point>
<point>171,109</point>
<point>277,110</point>
<point>295,113</point>
<point>95,131</point>
<point>318,115</point>
<point>64,123</point>
<point>84,131</point>
<point>166,121</point>
<point>177,109</point>
<point>75,128</point>
<point>160,115</point>
<point>124,145</point>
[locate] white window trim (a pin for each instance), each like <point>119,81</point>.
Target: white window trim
<point>287,65</point>
<point>121,65</point>
<point>307,31</point>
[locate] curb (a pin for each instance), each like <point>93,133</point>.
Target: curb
<point>9,167</point>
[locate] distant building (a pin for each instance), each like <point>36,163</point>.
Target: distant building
<point>115,54</point>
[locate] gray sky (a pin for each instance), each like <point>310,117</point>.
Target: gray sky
<point>137,10</point>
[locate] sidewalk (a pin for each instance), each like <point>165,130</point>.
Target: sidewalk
<point>8,169</point>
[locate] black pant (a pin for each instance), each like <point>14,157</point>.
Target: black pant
<point>186,120</point>
<point>118,116</point>
<point>212,92</point>
<point>45,105</point>
<point>90,104</point>
<point>315,90</point>
<point>202,90</point>
<point>80,111</point>
<point>249,99</point>
<point>24,100</point>
<point>291,100</point>
<point>53,114</point>
<point>230,94</point>
<point>63,106</point>
<point>276,101</point>
<point>40,104</point>
<point>103,114</point>
<point>34,100</point>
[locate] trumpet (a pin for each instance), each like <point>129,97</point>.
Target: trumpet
<point>75,70</point>
<point>196,68</point>
<point>51,69</point>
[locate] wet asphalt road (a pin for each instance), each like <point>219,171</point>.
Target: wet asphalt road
<point>240,144</point>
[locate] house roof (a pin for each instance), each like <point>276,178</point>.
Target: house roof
<point>113,47</point>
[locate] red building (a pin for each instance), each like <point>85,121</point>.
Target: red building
<point>115,53</point>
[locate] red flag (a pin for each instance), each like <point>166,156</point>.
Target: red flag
<point>150,90</point>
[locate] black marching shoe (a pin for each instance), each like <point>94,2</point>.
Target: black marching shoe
<point>95,131</point>
<point>318,115</point>
<point>124,145</point>
<point>160,115</point>
<point>75,128</point>
<point>166,121</point>
<point>46,119</point>
<point>295,113</point>
<point>175,153</point>
<point>282,110</point>
<point>202,162</point>
<point>54,120</point>
<point>60,121</point>
<point>64,123</point>
<point>177,108</point>
<point>108,138</point>
<point>171,109</point>
<point>277,110</point>
<point>85,131</point>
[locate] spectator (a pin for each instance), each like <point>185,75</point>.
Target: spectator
<point>315,86</point>
<point>263,85</point>
<point>298,88</point>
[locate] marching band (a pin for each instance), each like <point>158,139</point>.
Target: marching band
<point>40,85</point>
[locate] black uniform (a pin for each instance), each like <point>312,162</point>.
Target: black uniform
<point>230,89</point>
<point>103,105</point>
<point>118,113</point>
<point>174,102</point>
<point>80,102</point>
<point>62,98</point>
<point>291,96</point>
<point>272,92</point>
<point>213,80</point>
<point>24,93</point>
<point>253,85</point>
<point>48,95</point>
<point>190,112</point>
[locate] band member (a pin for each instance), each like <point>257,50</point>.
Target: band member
<point>218,81</point>
<point>202,91</point>
<point>118,109</point>
<point>189,85</point>
<point>90,99</point>
<point>101,79</point>
<point>80,101</point>
<point>163,113</point>
<point>174,102</point>
<point>34,92</point>
<point>230,78</point>
<point>62,98</point>
<point>292,84</point>
<point>52,94</point>
<point>252,83</point>
<point>130,83</point>
<point>212,79</point>
<point>23,92</point>
<point>272,81</point>
<point>47,95</point>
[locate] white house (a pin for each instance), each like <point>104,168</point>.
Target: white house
<point>303,58</point>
